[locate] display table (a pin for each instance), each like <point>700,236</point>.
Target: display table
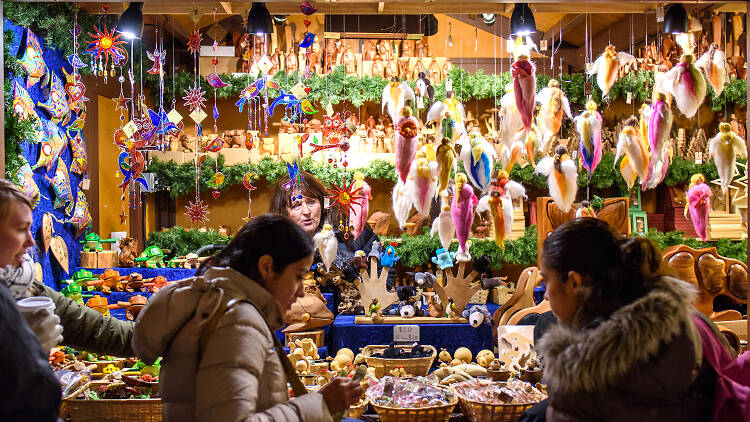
<point>345,333</point>
<point>171,274</point>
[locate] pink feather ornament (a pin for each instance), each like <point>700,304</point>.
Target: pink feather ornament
<point>462,213</point>
<point>406,142</point>
<point>699,205</point>
<point>524,89</point>
<point>659,125</point>
<point>359,218</point>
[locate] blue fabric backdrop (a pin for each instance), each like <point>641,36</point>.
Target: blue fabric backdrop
<point>55,61</point>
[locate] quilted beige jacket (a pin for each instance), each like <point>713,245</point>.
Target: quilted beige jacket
<point>239,376</point>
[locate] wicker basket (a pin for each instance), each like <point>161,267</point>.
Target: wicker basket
<point>132,410</point>
<point>357,410</point>
<point>480,297</point>
<point>412,366</point>
<point>484,412</point>
<point>416,414</point>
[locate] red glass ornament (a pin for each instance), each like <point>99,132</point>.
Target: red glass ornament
<point>216,193</point>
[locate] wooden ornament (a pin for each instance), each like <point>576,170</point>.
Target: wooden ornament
<point>46,231</point>
<point>106,259</point>
<point>458,287</point>
<point>60,251</point>
<point>38,273</point>
<point>373,286</point>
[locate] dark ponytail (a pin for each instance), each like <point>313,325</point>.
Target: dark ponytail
<point>268,234</point>
<point>615,270</point>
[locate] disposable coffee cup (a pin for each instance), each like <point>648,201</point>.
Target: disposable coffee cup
<point>29,305</point>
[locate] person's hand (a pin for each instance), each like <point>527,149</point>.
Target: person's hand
<point>340,394</point>
<point>46,327</point>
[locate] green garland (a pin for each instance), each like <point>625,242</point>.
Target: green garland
<point>724,247</point>
<point>181,242</point>
<point>179,178</point>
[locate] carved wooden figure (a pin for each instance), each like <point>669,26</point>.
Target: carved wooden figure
<point>459,287</point>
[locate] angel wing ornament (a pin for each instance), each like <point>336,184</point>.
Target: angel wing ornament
<point>724,148</point>
<point>659,125</point>
<point>562,177</point>
<point>687,84</point>
<point>607,67</point>
<point>395,95</point>
<point>634,152</point>
<point>714,65</point>
<point>450,115</point>
<point>589,126</point>
<point>325,242</point>
<point>554,106</point>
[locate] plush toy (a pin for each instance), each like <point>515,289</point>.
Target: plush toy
<point>423,279</point>
<point>562,177</point>
<point>524,88</point>
<point>359,218</point>
<point>553,104</point>
<point>61,185</point>
<point>511,155</point>
<point>443,258</point>
<point>659,126</point>
<point>607,67</point>
<point>406,310</point>
<point>424,178</point>
<point>375,250</point>
<point>698,204</point>
<point>406,142</point>
<point>688,85</point>
<point>589,126</point>
<point>634,152</point>
<point>326,244</point>
<point>446,160</point>
<point>389,258</point>
<point>395,95</point>
<point>714,65</point>
<point>479,158</point>
<point>434,308</point>
<point>402,200</point>
<point>477,315</point>
<point>462,213</point>
<point>443,226</point>
<point>724,148</point>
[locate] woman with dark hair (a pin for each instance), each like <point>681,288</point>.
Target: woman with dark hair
<point>626,347</point>
<point>310,215</point>
<point>222,361</point>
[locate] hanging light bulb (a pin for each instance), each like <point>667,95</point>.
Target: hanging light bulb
<point>488,18</point>
<point>522,20</point>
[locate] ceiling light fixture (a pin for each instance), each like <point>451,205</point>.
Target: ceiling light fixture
<point>488,18</point>
<point>676,19</point>
<point>522,20</point>
<point>259,20</point>
<point>130,23</point>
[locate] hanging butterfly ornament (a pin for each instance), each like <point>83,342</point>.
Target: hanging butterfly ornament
<point>105,51</point>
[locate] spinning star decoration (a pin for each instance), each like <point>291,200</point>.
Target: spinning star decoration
<point>197,211</point>
<point>195,98</point>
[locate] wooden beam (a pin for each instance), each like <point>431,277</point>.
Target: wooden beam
<point>567,23</point>
<point>381,6</point>
<point>500,28</point>
<point>227,6</point>
<point>176,29</point>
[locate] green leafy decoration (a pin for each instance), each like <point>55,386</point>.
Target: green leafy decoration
<point>182,242</point>
<point>724,247</point>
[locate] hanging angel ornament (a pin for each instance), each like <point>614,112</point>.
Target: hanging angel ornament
<point>402,200</point>
<point>478,157</point>
<point>714,65</point>
<point>562,177</point>
<point>407,129</point>
<point>446,160</point>
<point>450,115</point>
<point>499,203</point>
<point>698,203</point>
<point>395,96</point>
<point>511,125</point>
<point>659,126</point>
<point>554,106</point>
<point>443,225</point>
<point>424,177</point>
<point>524,88</point>
<point>724,148</point>
<point>688,87</point>
<point>32,60</point>
<point>25,182</point>
<point>358,219</point>
<point>635,158</point>
<point>462,213</point>
<point>589,126</point>
<point>607,67</point>
<point>61,186</point>
<point>326,244</point>
<point>104,47</point>
<point>345,198</point>
<point>509,155</point>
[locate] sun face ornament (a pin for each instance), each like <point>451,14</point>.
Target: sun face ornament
<point>105,45</point>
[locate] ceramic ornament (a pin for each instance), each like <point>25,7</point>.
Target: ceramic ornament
<point>402,200</point>
<point>554,106</point>
<point>25,182</point>
<point>659,126</point>
<point>635,158</point>
<point>47,230</point>
<point>450,115</point>
<point>81,218</point>
<point>511,125</point>
<point>562,177</point>
<point>524,88</point>
<point>607,67</point>
<point>23,105</point>
<point>60,252</point>
<point>478,157</point>
<point>358,219</point>
<point>61,185</point>
<point>688,87</point>
<point>407,129</point>
<point>57,105</point>
<point>395,95</point>
<point>326,244</point>
<point>698,203</point>
<point>443,226</point>
<point>589,126</point>
<point>462,213</point>
<point>424,177</point>
<point>446,160</point>
<point>32,60</point>
<point>714,65</point>
<point>724,148</point>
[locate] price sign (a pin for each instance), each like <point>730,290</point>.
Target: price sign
<point>406,333</point>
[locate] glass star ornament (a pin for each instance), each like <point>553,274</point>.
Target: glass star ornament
<point>194,43</point>
<point>197,211</point>
<point>195,98</point>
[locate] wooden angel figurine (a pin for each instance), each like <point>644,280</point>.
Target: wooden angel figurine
<point>349,61</point>
<point>378,67</point>
<point>384,50</point>
<point>433,71</point>
<point>368,50</point>
<point>291,61</point>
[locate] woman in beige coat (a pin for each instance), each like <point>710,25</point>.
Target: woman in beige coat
<point>216,334</point>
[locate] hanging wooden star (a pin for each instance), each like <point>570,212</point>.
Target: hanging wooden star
<point>197,211</point>
<point>194,43</point>
<point>195,98</point>
<point>106,44</point>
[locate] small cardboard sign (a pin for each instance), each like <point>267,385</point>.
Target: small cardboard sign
<point>406,333</point>
<point>174,116</point>
<point>130,129</point>
<point>198,115</point>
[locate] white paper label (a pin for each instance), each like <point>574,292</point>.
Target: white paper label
<point>406,333</point>
<point>85,184</point>
<point>543,45</point>
<point>198,115</point>
<point>629,99</point>
<point>174,116</point>
<point>130,129</point>
<point>448,85</point>
<point>698,157</point>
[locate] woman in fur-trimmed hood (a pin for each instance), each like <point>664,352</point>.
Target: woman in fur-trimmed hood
<point>626,347</point>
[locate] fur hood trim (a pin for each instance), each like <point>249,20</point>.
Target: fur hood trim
<point>595,359</point>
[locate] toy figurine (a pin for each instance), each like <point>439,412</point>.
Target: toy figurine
<point>434,308</point>
<point>325,242</point>
<point>389,258</point>
<point>586,210</point>
<point>374,309</point>
<point>698,203</point>
<point>524,87</point>
<point>446,159</point>
<point>126,257</point>
<point>75,292</point>
<point>151,257</point>
<point>450,308</point>
<point>82,277</point>
<point>714,65</point>
<point>93,243</point>
<point>424,279</point>
<point>375,250</point>
<point>99,304</point>
<point>406,142</point>
<point>108,280</point>
<point>443,258</point>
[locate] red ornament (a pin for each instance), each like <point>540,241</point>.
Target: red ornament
<point>344,164</point>
<point>344,146</point>
<point>215,61</point>
<point>216,193</point>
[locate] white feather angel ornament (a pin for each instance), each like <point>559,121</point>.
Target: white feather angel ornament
<point>511,155</point>
<point>607,67</point>
<point>450,115</point>
<point>402,200</point>
<point>511,125</point>
<point>325,242</point>
<point>724,148</point>
<point>634,151</point>
<point>395,95</point>
<point>562,177</point>
<point>478,157</point>
<point>714,65</point>
<point>499,203</point>
<point>554,104</point>
<point>688,85</point>
<point>443,226</point>
<point>424,177</point>
<point>589,126</point>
